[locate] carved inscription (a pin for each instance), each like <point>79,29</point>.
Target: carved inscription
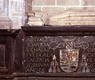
<point>39,51</point>
<point>37,55</point>
<point>91,57</point>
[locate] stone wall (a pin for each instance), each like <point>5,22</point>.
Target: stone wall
<point>16,13</point>
<point>59,6</point>
<point>15,10</point>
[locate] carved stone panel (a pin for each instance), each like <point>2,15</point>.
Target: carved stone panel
<point>42,54</point>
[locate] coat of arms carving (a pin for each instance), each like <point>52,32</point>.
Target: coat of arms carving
<point>69,58</point>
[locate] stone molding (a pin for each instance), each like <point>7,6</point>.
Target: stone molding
<point>5,22</point>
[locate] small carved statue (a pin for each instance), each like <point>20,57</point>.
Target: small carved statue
<point>84,66</point>
<point>54,65</point>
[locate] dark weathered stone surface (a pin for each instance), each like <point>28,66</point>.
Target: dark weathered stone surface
<point>36,45</point>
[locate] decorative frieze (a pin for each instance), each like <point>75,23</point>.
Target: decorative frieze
<point>59,54</point>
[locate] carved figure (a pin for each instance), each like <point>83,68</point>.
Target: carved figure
<point>54,65</point>
<point>84,66</point>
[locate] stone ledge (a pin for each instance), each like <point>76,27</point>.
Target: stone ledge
<point>5,22</point>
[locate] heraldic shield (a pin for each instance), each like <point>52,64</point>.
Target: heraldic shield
<point>69,59</point>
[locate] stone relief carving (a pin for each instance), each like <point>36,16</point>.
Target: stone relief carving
<point>40,52</point>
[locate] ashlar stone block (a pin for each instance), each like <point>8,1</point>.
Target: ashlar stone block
<point>43,2</point>
<point>68,2</point>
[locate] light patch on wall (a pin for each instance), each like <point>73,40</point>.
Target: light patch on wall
<point>1,4</point>
<point>17,12</point>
